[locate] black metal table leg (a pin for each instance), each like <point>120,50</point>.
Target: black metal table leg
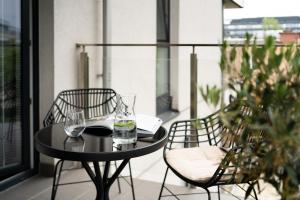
<point>99,182</point>
<point>103,182</point>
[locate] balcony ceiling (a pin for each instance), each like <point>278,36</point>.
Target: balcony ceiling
<point>233,3</point>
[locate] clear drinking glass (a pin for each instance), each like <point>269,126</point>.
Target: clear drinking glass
<point>75,123</point>
<point>125,122</point>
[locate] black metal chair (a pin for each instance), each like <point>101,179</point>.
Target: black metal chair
<point>95,102</point>
<point>202,152</point>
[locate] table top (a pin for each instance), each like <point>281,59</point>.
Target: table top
<point>95,144</point>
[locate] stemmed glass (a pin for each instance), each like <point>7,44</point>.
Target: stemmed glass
<point>75,123</point>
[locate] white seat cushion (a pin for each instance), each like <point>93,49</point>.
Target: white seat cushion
<point>197,163</point>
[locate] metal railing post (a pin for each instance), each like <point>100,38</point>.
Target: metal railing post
<point>83,73</point>
<point>194,74</point>
<point>83,78</point>
<point>193,91</point>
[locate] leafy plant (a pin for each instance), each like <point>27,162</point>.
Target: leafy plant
<point>267,80</point>
<point>211,94</point>
<point>270,23</point>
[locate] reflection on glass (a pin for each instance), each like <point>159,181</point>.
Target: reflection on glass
<point>163,100</point>
<point>163,20</point>
<point>75,144</point>
<point>10,87</point>
<point>162,68</point>
<point>123,147</point>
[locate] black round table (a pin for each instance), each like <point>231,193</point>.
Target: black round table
<point>95,145</point>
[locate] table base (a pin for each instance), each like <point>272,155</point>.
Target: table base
<point>103,182</point>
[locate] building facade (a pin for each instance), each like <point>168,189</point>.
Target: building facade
<point>45,33</point>
<point>237,28</point>
<point>289,37</point>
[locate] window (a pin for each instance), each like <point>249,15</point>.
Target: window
<point>14,82</point>
<point>163,99</point>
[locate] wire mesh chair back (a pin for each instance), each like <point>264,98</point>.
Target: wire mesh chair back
<point>94,101</point>
<point>211,130</point>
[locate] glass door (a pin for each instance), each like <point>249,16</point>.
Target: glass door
<point>13,132</point>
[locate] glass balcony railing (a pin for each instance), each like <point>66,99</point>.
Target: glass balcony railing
<point>165,77</point>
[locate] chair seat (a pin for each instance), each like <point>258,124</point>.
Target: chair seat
<point>198,163</point>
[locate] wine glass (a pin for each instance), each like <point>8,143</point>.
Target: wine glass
<point>75,122</point>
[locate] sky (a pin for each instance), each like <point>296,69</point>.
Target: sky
<point>264,8</point>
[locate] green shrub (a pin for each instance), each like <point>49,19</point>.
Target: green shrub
<point>267,79</point>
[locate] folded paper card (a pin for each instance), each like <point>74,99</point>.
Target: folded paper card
<point>148,123</point>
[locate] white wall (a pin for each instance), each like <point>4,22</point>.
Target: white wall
<point>76,21</point>
<point>199,21</point>
<point>133,69</point>
<point>62,24</point>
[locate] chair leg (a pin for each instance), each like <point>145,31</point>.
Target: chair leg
<point>163,184</point>
<point>254,191</point>
<point>208,193</point>
<point>219,195</point>
<point>56,180</point>
<point>255,194</point>
<point>132,186</point>
<point>118,179</point>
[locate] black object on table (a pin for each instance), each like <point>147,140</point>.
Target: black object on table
<point>95,145</point>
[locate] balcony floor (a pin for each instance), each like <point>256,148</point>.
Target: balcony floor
<point>39,188</point>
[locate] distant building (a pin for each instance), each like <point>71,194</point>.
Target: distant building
<point>289,37</point>
<point>237,28</point>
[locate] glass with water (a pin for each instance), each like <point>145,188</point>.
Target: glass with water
<point>75,123</point>
<point>125,122</point>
